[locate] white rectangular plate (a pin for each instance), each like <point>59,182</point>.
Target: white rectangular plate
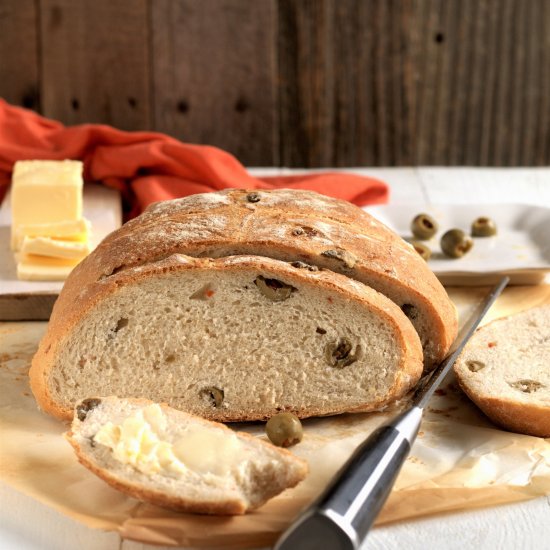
<point>521,248</point>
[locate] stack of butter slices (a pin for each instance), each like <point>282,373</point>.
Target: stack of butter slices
<point>49,234</point>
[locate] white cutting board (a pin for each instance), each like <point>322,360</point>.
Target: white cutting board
<point>33,299</point>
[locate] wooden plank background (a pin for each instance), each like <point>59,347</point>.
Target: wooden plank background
<point>299,83</point>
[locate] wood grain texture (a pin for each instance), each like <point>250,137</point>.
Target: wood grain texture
<point>24,307</point>
<point>95,62</point>
<point>214,75</point>
<point>19,77</point>
<point>295,82</point>
<point>415,82</point>
<point>306,73</point>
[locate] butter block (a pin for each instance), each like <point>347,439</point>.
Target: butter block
<point>55,248</point>
<point>77,231</point>
<point>45,191</point>
<point>41,268</point>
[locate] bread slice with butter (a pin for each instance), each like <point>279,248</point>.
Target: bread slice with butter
<point>175,460</point>
<point>230,339</point>
<point>505,371</point>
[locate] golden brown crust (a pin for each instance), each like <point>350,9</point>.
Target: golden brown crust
<point>283,224</point>
<point>58,331</point>
<point>229,506</point>
<point>525,418</point>
<point>513,415</point>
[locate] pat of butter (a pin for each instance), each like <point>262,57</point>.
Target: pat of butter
<point>42,268</point>
<point>45,191</point>
<point>209,451</point>
<point>46,246</point>
<point>140,442</point>
<point>136,442</point>
<point>69,230</point>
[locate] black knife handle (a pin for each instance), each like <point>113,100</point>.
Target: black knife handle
<point>342,516</point>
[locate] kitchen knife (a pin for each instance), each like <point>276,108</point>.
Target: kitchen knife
<point>341,518</point>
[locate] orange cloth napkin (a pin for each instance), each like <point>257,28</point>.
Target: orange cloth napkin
<point>148,166</point>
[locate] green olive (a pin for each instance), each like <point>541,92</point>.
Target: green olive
<point>475,366</point>
<point>273,289</point>
<point>424,251</point>
<point>284,429</point>
<point>339,353</point>
<point>410,311</point>
<point>213,396</point>
<point>484,227</point>
<point>424,227</point>
<point>455,243</point>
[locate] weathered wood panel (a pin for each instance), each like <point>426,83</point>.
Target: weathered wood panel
<point>95,62</point>
<point>295,82</point>
<point>347,83</point>
<point>306,73</point>
<point>214,75</point>
<point>482,81</point>
<point>405,82</point>
<point>373,122</point>
<point>19,53</point>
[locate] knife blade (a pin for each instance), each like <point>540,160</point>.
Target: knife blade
<point>342,516</point>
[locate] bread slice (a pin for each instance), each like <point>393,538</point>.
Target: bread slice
<point>218,471</point>
<point>505,371</point>
<point>288,225</point>
<point>229,339</point>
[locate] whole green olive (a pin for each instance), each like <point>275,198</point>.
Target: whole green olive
<point>284,429</point>
<point>424,251</point>
<point>455,243</point>
<point>424,227</point>
<point>484,227</point>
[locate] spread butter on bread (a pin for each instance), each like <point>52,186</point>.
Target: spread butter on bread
<point>175,460</point>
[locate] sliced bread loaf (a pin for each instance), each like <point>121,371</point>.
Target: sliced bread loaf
<point>176,460</point>
<point>285,225</point>
<point>505,370</point>
<point>229,339</point>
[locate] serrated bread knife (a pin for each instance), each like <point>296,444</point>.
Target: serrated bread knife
<point>341,518</point>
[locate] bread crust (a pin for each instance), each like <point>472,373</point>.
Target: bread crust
<point>60,327</point>
<point>286,225</point>
<point>529,419</point>
<point>513,415</point>
<point>229,506</point>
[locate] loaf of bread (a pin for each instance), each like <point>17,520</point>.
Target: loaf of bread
<point>176,460</point>
<point>284,225</point>
<point>229,339</point>
<point>505,371</point>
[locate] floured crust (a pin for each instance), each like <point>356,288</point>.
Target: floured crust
<point>60,329</point>
<point>506,345</point>
<point>287,225</point>
<point>180,503</point>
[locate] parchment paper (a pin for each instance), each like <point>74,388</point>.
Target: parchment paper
<point>459,461</point>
